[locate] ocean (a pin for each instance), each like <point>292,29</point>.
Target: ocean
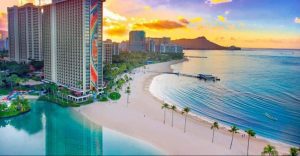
<point>259,90</point>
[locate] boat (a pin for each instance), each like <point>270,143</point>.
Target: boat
<point>270,117</point>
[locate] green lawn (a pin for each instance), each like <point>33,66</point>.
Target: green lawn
<point>114,96</point>
<point>4,91</point>
<point>58,101</point>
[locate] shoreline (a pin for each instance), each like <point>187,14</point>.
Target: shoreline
<point>145,114</point>
<point>208,121</point>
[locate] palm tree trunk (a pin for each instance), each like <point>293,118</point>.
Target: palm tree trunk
<point>185,123</point>
<point>231,141</point>
<point>248,145</point>
<point>127,99</point>
<point>212,140</point>
<point>164,115</point>
<point>172,117</point>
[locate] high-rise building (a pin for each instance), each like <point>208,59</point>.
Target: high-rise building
<point>3,44</point>
<point>124,46</point>
<point>154,44</point>
<point>137,41</point>
<point>72,43</point>
<point>115,48</point>
<point>150,45</point>
<point>108,51</point>
<point>24,29</point>
<point>3,34</point>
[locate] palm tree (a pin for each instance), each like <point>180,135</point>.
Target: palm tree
<point>250,133</point>
<point>65,92</point>
<point>174,108</point>
<point>294,151</point>
<point>2,75</point>
<point>17,103</point>
<point>126,78</point>
<point>164,107</point>
<point>53,89</point>
<point>128,91</point>
<point>233,130</point>
<point>214,126</point>
<point>185,111</point>
<point>13,79</point>
<point>20,104</point>
<point>269,150</point>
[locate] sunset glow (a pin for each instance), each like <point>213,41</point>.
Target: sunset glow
<point>226,22</point>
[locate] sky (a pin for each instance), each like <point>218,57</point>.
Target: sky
<point>244,23</point>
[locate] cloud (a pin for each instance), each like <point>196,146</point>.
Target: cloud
<point>147,7</point>
<point>196,20</point>
<point>221,19</point>
<point>159,25</point>
<point>109,14</point>
<point>217,1</point>
<point>119,30</point>
<point>184,21</point>
<point>297,20</point>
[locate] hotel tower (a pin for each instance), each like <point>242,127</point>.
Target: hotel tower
<point>72,45</point>
<point>24,29</point>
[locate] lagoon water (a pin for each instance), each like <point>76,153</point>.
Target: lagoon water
<point>52,130</point>
<point>253,83</point>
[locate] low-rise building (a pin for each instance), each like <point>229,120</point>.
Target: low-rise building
<point>170,48</point>
<point>162,45</point>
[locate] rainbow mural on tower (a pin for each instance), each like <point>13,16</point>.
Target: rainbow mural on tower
<point>94,13</point>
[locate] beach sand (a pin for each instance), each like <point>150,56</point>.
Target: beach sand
<point>143,119</point>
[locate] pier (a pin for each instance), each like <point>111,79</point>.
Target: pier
<point>195,56</point>
<point>204,77</point>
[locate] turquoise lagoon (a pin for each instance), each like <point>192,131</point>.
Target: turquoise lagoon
<point>254,84</point>
<point>50,129</point>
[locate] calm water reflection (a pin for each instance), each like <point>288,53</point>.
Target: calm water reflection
<point>50,129</point>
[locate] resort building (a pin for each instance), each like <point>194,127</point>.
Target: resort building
<point>24,29</point>
<point>108,51</point>
<point>170,48</point>
<point>137,41</point>
<point>124,46</point>
<point>150,45</point>
<point>3,44</point>
<point>162,45</point>
<point>72,45</point>
<point>3,40</point>
<point>115,48</point>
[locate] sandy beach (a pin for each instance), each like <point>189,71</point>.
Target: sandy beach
<point>143,119</point>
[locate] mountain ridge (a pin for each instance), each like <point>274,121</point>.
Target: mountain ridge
<point>201,43</point>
